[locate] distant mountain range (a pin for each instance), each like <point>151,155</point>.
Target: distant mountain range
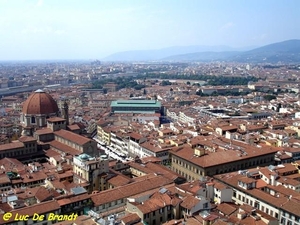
<point>286,52</point>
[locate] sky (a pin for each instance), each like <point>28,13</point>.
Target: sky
<point>93,29</point>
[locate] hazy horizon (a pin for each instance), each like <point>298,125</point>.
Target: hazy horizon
<point>74,29</point>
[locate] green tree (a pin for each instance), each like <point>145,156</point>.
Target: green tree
<point>165,83</point>
<point>269,97</point>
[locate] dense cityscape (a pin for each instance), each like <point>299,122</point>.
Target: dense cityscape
<point>91,142</point>
<point>149,112</point>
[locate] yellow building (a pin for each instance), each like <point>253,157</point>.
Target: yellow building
<point>88,169</point>
<point>103,134</point>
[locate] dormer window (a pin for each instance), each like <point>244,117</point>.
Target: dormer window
<point>246,183</point>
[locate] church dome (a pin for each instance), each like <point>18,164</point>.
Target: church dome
<point>40,103</point>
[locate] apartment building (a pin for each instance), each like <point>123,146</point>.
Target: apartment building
<point>193,162</point>
<point>115,199</point>
<point>88,169</point>
<point>273,190</point>
<point>76,141</point>
<point>157,208</point>
<point>134,148</point>
<point>20,149</point>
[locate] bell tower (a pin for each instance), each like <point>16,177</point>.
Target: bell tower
<point>65,112</point>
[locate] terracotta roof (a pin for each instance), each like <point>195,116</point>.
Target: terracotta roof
<point>4,179</point>
<point>80,220</point>
<point>43,131</point>
<point>152,159</point>
<point>74,127</point>
<point>64,148</point>
<point>118,180</point>
<point>136,136</point>
<point>130,219</point>
<point>11,163</point>
<point>31,177</point>
<point>26,139</point>
<point>226,209</point>
<point>157,201</point>
<point>220,186</point>
<point>189,202</point>
<point>55,119</point>
<point>40,102</point>
<point>71,199</point>
<point>128,190</point>
<point>280,200</point>
<point>13,145</point>
<point>43,194</point>
<point>220,156</point>
<point>70,136</point>
<point>51,153</point>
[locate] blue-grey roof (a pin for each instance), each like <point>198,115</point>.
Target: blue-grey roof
<point>12,198</point>
<point>134,111</point>
<point>136,103</point>
<point>78,190</point>
<point>163,190</point>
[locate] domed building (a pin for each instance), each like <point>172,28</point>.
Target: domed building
<point>37,109</point>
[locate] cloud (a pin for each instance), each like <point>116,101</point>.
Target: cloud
<point>226,26</point>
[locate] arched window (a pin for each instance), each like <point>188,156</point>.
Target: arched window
<point>33,119</point>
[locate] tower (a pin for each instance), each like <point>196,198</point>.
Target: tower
<point>65,112</point>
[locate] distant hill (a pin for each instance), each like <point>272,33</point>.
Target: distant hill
<point>285,52</point>
<point>148,55</point>
<point>202,56</point>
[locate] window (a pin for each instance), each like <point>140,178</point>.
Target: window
<point>33,119</point>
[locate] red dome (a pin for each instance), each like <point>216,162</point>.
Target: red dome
<point>40,103</point>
